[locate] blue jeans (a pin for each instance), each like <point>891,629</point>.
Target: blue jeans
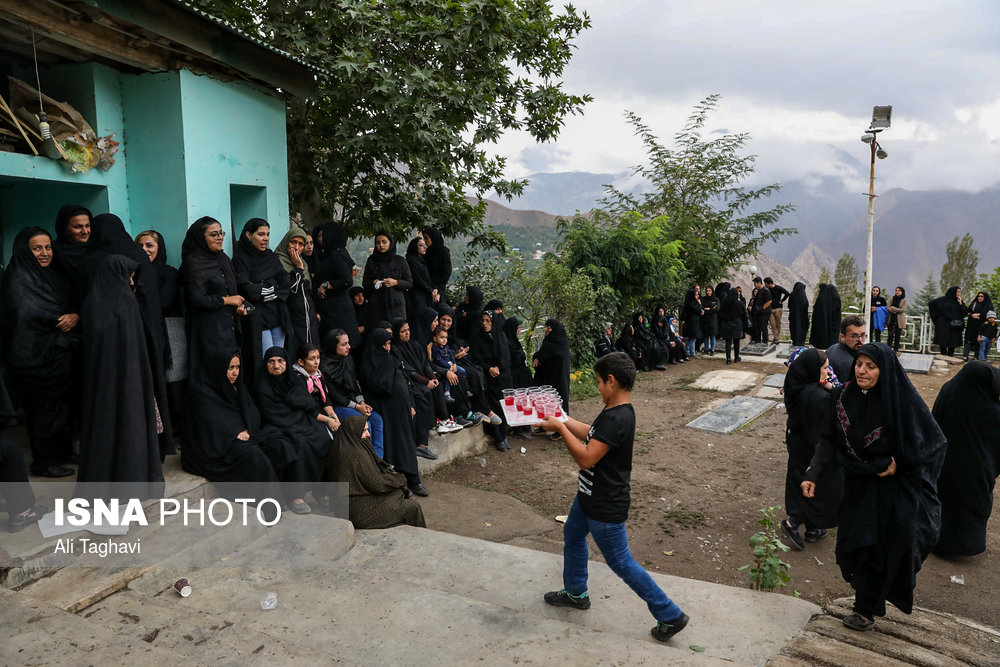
<point>612,540</point>
<point>689,347</point>
<point>272,338</point>
<point>984,348</point>
<point>710,343</point>
<point>374,425</point>
<point>461,375</point>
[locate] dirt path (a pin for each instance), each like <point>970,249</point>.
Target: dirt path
<point>696,497</point>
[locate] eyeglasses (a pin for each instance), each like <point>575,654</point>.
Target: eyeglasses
<point>859,336</point>
<point>216,235</point>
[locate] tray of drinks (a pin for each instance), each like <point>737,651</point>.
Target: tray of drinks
<point>526,407</point>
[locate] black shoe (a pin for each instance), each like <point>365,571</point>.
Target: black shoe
<point>522,433</point>
<point>53,471</point>
<point>792,535</point>
<point>17,522</point>
<point>858,622</point>
<point>813,535</point>
<point>737,360</point>
<point>426,453</point>
<point>503,445</point>
<point>728,361</point>
<point>419,489</point>
<point>664,630</point>
<point>661,366</point>
<point>561,598</point>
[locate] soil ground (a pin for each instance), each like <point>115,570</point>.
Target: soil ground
<point>696,497</point>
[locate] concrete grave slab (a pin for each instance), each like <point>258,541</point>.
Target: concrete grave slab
<point>916,363</point>
<point>728,381</point>
<point>757,349</point>
<point>769,392</point>
<point>733,414</point>
<point>785,351</point>
<point>777,381</point>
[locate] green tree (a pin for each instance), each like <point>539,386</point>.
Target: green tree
<point>410,94</point>
<point>697,187</point>
<point>633,255</point>
<point>917,305</point>
<point>960,266</point>
<point>987,282</point>
<point>845,277</point>
<point>824,279</point>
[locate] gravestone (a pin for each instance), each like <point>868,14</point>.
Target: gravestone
<point>757,349</point>
<point>777,381</point>
<point>786,351</point>
<point>732,414</point>
<point>916,363</point>
<point>728,381</point>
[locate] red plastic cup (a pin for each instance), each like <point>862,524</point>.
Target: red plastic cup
<point>528,410</point>
<point>558,412</point>
<point>541,409</point>
<point>508,400</point>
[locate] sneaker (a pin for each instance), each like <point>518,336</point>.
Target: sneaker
<point>561,598</point>
<point>475,417</point>
<point>813,535</point>
<point>463,422</point>
<point>448,398</point>
<point>426,453</point>
<point>495,419</point>
<point>858,622</point>
<point>792,535</point>
<point>664,630</point>
<point>301,507</point>
<point>452,426</point>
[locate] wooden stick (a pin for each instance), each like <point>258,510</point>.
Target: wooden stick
<point>17,124</point>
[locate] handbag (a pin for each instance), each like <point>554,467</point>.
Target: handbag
<point>957,324</point>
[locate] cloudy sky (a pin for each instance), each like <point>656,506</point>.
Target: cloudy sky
<point>800,77</point>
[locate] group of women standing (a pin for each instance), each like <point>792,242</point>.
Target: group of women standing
<point>898,479</point>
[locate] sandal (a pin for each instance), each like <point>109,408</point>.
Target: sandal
<point>793,535</point>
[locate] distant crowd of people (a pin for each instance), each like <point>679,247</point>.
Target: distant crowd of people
<point>253,363</point>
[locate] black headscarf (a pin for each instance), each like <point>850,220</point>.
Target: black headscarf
<point>640,330</point>
<point>381,260</point>
<point>493,304</point>
<point>378,365</point>
<point>986,306</point>
<point>626,341</point>
<point>438,259</point>
<point>278,385</point>
<point>34,298</point>
<point>70,254</point>
<point>258,265</point>
<point>968,411</point>
<point>490,348</point>
<point>825,318</point>
<point>420,329</point>
<point>198,263</point>
<point>338,371</point>
<point>802,376</point>
<point>897,299</point>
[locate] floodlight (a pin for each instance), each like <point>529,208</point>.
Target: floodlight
<point>881,154</point>
<point>867,137</point>
<point>881,117</point>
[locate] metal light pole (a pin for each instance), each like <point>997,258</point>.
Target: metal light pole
<point>881,118</point>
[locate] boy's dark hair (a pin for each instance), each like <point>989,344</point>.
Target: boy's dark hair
<point>439,330</point>
<point>851,321</point>
<point>768,281</point>
<point>304,350</point>
<point>618,364</point>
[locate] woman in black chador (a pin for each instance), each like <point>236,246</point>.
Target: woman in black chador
<point>71,247</point>
<point>491,354</point>
<point>692,312</point>
<point>468,312</point>
<point>710,320</point>
<point>891,450</point>
<point>825,318</point>
<point>304,325</point>
<point>108,237</point>
<point>428,394</point>
<point>263,282</point>
<point>807,402</point>
<point>642,337</point>
<point>438,261</point>
<point>387,277</point>
<point>977,310</point>
<point>120,421</point>
<point>798,314</point>
<point>948,314</point>
<point>421,295</point>
<point>387,388</point>
<point>286,404</point>
<point>732,312</point>
<point>41,340</point>
<point>226,440</point>
<point>552,360</point>
<point>213,304</point>
<point>519,373</point>
<point>333,278</point>
<point>969,415</point>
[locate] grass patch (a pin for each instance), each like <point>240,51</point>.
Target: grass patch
<point>684,518</point>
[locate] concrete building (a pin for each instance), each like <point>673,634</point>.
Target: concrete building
<point>199,109</point>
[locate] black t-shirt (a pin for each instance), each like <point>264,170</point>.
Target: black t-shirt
<point>605,488</point>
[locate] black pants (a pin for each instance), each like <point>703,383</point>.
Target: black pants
<point>14,486</point>
<point>761,321</point>
<point>894,334</point>
<point>732,343</point>
<point>876,335</point>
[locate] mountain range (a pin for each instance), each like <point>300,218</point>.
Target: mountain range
<point>911,230</point>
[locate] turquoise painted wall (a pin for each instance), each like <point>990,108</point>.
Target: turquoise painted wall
<point>191,146</point>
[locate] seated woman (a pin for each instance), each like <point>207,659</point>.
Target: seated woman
<point>643,339</point>
<point>286,405</point>
<point>388,389</point>
<point>678,355</point>
<point>552,362</point>
<point>379,497</point>
<point>491,353</point>
<point>661,336</point>
<point>344,390</point>
<point>626,344</point>
<point>226,441</point>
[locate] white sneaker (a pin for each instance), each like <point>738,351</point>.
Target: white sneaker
<point>448,426</point>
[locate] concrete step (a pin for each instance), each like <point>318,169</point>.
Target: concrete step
<point>460,444</point>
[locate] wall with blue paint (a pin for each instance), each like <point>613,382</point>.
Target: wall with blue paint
<point>191,146</point>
